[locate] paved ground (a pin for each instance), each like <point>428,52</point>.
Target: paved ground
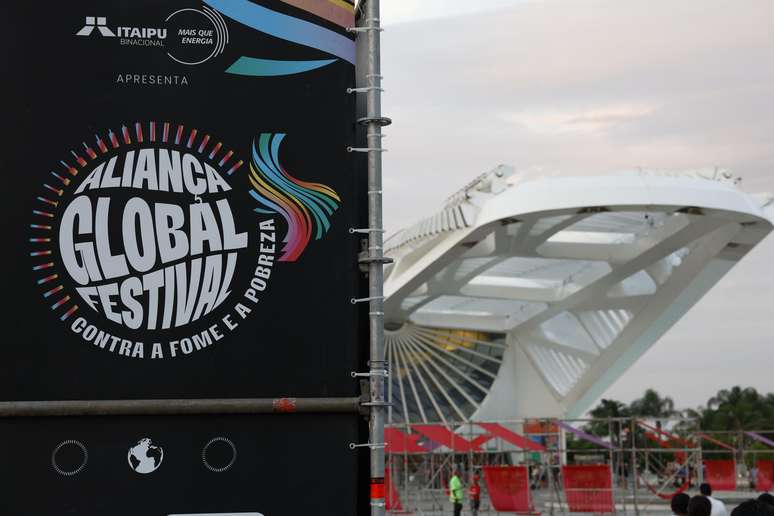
<point>433,503</point>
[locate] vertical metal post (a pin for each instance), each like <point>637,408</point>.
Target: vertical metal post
<point>613,471</point>
<point>633,470</point>
<point>547,458</point>
<point>470,454</point>
<point>375,251</point>
<point>405,473</point>
<point>700,462</point>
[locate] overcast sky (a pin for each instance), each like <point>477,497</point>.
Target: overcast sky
<point>591,86</point>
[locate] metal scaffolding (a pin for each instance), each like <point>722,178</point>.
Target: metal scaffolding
<point>649,460</point>
<point>368,27</point>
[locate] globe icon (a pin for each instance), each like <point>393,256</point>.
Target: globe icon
<point>145,457</point>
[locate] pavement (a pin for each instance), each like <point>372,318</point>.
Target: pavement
<point>434,503</point>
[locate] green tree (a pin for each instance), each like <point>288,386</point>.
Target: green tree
<point>652,404</point>
<point>730,410</point>
<point>737,409</point>
<point>606,409</point>
<point>610,408</point>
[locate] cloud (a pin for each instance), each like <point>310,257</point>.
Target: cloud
<point>595,119</point>
<point>402,11</point>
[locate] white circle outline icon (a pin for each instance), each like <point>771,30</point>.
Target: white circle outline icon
<point>207,446</point>
<point>221,33</point>
<point>64,472</point>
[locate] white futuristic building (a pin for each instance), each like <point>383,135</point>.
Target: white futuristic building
<point>528,298</point>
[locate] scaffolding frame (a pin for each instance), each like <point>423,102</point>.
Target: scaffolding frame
<point>668,454</point>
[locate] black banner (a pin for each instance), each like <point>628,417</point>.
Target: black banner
<point>177,212</point>
<point>177,465</point>
<point>186,224</point>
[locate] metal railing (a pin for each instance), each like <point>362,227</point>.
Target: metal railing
<point>668,456</point>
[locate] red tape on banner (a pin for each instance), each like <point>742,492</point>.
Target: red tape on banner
<point>284,405</point>
<point>720,474</point>
<point>508,488</point>
<point>377,488</point>
<point>589,488</point>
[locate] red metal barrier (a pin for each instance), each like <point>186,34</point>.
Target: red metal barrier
<point>508,488</point>
<point>765,481</point>
<point>720,474</point>
<point>589,488</point>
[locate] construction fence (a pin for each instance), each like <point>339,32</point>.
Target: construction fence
<point>614,465</point>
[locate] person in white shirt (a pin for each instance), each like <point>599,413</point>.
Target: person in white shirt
<point>718,507</point>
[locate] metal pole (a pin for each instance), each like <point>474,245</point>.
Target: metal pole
<point>613,471</point>
<point>633,468</point>
<point>547,458</point>
<point>699,467</point>
<point>179,407</point>
<point>405,477</point>
<point>621,468</point>
<point>375,250</point>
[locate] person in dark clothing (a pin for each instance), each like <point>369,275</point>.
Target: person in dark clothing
<point>679,504</point>
<point>753,508</point>
<point>766,498</point>
<point>699,506</point>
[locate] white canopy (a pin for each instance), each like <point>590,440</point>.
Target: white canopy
<point>529,298</point>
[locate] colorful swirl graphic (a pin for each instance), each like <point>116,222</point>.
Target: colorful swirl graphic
<point>306,207</point>
<point>294,30</point>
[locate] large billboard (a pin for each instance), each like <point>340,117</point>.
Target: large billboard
<point>177,212</point>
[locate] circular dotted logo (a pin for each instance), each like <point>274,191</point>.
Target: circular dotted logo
<point>138,241</point>
<point>156,240</point>
<point>219,454</point>
<point>69,458</point>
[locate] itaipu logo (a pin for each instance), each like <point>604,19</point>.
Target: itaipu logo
<point>96,22</point>
<point>156,240</point>
<point>190,36</point>
<point>100,23</point>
